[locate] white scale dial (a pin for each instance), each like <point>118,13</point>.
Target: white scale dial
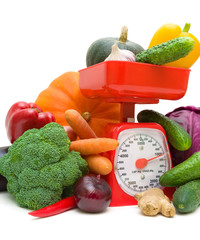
<point>141,144</point>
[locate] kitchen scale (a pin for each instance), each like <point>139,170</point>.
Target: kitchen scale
<point>143,153</point>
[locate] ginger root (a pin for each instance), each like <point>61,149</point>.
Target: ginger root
<point>154,201</point>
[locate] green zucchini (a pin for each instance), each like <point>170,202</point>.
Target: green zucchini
<point>177,136</point>
<point>182,173</point>
<point>166,52</point>
<point>187,197</point>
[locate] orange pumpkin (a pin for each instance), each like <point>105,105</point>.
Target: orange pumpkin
<point>64,93</point>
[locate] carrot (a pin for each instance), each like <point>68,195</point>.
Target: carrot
<point>79,124</point>
<point>98,164</point>
<point>93,145</point>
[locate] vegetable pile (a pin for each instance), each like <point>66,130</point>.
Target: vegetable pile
<point>56,159</point>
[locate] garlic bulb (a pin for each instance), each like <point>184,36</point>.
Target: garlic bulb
<point>120,55</point>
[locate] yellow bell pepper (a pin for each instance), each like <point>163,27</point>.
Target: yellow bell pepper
<point>170,31</point>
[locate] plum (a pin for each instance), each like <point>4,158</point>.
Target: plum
<point>92,193</point>
<point>70,133</point>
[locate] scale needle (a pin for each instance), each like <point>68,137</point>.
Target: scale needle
<point>142,162</point>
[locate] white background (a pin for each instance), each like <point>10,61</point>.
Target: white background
<point>40,40</point>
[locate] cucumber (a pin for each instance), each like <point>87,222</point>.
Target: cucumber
<point>166,52</point>
<point>182,173</point>
<point>177,136</point>
<point>187,197</point>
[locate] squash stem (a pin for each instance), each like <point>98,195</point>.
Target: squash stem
<point>123,35</point>
<point>186,27</point>
<point>86,116</point>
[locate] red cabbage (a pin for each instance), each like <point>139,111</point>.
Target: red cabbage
<point>189,118</point>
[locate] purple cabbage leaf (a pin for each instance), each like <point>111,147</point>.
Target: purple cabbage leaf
<point>189,118</point>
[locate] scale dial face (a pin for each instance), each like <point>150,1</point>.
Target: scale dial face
<point>140,143</point>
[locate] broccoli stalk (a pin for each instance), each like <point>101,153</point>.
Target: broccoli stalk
<point>39,166</point>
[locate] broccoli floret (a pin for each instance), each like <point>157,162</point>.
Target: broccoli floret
<point>39,167</point>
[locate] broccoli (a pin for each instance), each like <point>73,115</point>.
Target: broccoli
<point>39,167</point>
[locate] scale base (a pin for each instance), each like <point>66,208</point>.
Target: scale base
<point>120,197</point>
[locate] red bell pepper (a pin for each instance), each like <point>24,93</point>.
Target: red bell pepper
<point>23,116</point>
<point>56,208</point>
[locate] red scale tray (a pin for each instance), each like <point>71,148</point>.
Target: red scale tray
<point>120,81</point>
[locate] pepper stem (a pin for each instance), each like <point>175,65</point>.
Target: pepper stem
<point>86,116</point>
<point>186,27</point>
<point>36,109</point>
<point>123,35</point>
